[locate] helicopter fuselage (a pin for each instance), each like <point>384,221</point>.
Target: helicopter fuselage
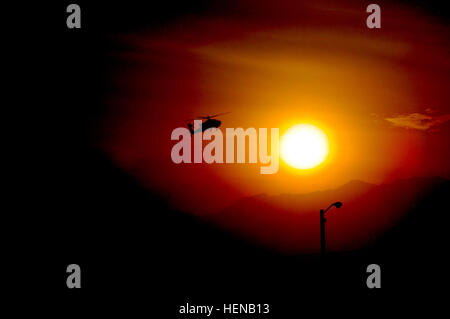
<point>209,123</point>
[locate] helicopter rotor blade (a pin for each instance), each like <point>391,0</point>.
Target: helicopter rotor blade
<point>207,117</point>
<point>218,114</point>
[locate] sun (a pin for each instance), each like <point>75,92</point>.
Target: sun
<point>304,146</point>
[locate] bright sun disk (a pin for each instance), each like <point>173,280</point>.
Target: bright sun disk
<point>304,146</point>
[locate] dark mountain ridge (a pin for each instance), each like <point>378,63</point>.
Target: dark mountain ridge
<point>290,222</point>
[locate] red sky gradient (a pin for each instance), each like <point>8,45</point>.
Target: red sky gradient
<point>381,96</point>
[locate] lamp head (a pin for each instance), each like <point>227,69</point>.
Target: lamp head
<point>337,204</point>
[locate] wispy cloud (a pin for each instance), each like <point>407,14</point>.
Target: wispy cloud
<point>418,121</point>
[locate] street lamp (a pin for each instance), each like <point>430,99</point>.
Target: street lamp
<point>322,226</point>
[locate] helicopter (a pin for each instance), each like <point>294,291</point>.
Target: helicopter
<point>210,122</point>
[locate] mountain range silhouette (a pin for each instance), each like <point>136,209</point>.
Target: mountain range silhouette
<point>290,222</point>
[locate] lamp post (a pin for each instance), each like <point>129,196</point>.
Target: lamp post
<point>322,227</point>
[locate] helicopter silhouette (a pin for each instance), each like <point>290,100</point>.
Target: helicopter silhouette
<point>210,122</point>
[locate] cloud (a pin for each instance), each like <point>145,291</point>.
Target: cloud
<point>418,121</point>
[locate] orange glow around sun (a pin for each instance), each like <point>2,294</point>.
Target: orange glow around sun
<point>360,91</point>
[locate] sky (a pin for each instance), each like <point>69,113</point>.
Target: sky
<point>380,95</point>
